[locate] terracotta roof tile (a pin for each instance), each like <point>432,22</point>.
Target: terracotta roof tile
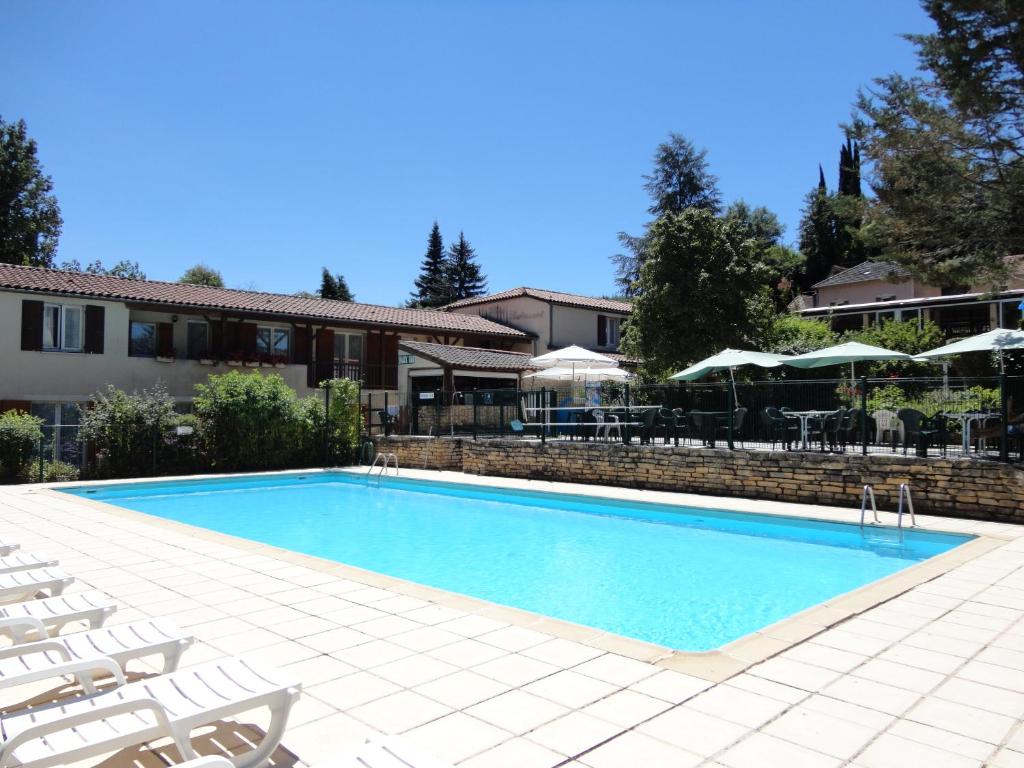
<point>468,357</point>
<point>200,297</point>
<point>556,297</point>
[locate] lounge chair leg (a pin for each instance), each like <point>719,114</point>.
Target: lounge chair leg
<point>275,732</point>
<point>173,657</point>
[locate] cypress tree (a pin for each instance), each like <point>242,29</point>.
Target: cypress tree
<point>334,287</point>
<point>433,286</point>
<point>465,277</point>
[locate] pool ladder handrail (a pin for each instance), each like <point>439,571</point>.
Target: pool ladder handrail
<point>388,458</point>
<point>905,493</point>
<point>868,493</point>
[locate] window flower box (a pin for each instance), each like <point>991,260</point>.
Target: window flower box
<point>207,361</point>
<point>235,359</point>
<point>235,363</point>
<point>165,358</point>
<point>252,363</point>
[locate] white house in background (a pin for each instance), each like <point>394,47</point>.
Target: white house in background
<point>555,319</point>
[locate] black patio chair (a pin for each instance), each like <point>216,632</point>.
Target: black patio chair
<point>682,423</point>
<point>649,427</point>
<point>669,424</point>
<point>388,421</point>
<point>780,428</point>
<point>722,425</point>
<point>701,426</point>
<point>851,428</point>
<point>920,431</point>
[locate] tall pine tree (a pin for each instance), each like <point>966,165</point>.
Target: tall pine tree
<point>464,273</point>
<point>433,286</point>
<point>334,287</point>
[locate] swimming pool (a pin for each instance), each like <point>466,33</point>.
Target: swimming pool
<point>690,579</point>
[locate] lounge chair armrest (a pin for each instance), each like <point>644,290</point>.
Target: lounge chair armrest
<point>81,718</point>
<point>38,646</point>
<point>18,626</point>
<point>82,669</point>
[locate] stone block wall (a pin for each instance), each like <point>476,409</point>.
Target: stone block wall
<point>422,452</point>
<point>955,487</point>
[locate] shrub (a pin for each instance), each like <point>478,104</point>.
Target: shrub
<point>794,335</point>
<point>20,433</point>
<point>901,336</point>
<point>345,420</point>
<point>128,433</point>
<point>250,421</point>
<point>53,472</point>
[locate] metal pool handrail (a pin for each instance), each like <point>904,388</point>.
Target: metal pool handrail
<point>905,492</point>
<point>868,492</point>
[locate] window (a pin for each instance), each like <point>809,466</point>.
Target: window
<point>198,345</point>
<point>272,341</point>
<point>348,348</point>
<point>142,340</point>
<point>608,330</point>
<point>62,328</point>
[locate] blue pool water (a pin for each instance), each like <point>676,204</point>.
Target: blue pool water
<point>690,579</point>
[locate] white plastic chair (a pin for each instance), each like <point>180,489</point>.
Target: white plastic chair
<point>48,616</point>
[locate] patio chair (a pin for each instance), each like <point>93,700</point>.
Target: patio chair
<point>888,428</point>
<point>649,428</point>
<point>831,425</point>
<point>701,426</point>
<point>920,431</point>
<point>682,423</point>
<point>24,585</point>
<point>146,710</point>
<point>7,547</point>
<point>779,428</point>
<point>47,617</point>
<point>610,422</point>
<point>669,424</point>
<point>25,561</point>
<point>722,425</point>
<point>517,428</point>
<point>81,653</point>
<point>388,421</point>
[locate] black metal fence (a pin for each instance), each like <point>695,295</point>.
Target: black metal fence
<point>926,417</point>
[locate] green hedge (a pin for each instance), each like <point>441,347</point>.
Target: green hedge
<point>20,433</point>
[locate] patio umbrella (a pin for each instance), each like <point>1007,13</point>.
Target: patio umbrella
<point>994,341</point>
<point>573,357</point>
<point>729,359</point>
<point>586,374</point>
<point>851,352</point>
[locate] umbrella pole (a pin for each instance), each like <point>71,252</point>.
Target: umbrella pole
<point>732,377</point>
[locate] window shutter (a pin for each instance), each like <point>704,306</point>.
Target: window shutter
<point>164,340</point>
<point>247,337</point>
<point>389,374</point>
<point>602,331</point>
<point>300,353</point>
<point>372,377</point>
<point>217,339</point>
<point>94,320</point>
<point>31,325</point>
<point>325,345</point>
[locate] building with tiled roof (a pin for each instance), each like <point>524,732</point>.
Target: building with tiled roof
<point>66,335</point>
<point>554,318</point>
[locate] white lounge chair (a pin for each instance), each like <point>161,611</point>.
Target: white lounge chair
<point>75,653</point>
<point>169,705</point>
<point>385,752</point>
<point>210,761</point>
<point>47,617</point>
<point>7,547</point>
<point>25,585</point>
<point>25,561</point>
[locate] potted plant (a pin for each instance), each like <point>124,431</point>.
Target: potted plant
<point>234,359</point>
<point>280,361</point>
<point>205,360</point>
<point>165,358</point>
<point>252,361</point>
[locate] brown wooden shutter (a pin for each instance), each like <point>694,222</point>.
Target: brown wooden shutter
<point>247,338</point>
<point>602,331</point>
<point>325,346</point>
<point>300,350</point>
<point>164,340</point>
<point>372,377</point>
<point>217,339</point>
<point>389,360</point>
<point>232,338</point>
<point>94,326</point>
<point>31,325</point>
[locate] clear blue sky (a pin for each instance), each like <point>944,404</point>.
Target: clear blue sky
<point>269,139</point>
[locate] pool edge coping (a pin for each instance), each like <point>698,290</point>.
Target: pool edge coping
<point>715,666</point>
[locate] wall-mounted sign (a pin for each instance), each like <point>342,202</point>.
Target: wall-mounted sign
<point>406,359</point>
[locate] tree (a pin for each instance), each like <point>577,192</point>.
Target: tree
<point>902,336</point>
<point>131,270</point>
<point>693,291</point>
<point>947,147</point>
<point>464,275</point>
<point>795,335</point>
<point>334,287</point>
<point>680,180</point>
<point>30,219</point>
<point>433,286</point>
<point>775,264</point>
<point>201,274</point>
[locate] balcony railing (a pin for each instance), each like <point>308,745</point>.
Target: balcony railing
<point>371,376</point>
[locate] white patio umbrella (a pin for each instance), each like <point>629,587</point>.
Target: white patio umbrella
<point>994,341</point>
<point>573,357</point>
<point>851,352</point>
<point>730,359</point>
<point>583,374</point>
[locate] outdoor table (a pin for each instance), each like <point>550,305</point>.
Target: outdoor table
<point>966,419</point>
<point>707,428</point>
<point>804,417</point>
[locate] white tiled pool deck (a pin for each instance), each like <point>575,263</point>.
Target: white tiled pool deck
<point>932,677</point>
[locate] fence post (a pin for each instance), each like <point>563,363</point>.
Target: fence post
<point>1004,433</point>
<point>626,438</point>
<point>369,413</point>
<point>731,406</point>
<point>543,414</point>
<point>476,397</point>
<point>327,426</point>
<point>385,417</point>
<point>864,415</point>
<point>501,418</point>
<point>41,459</point>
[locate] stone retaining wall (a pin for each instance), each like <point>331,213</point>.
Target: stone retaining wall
<point>955,487</point>
<point>422,452</point>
